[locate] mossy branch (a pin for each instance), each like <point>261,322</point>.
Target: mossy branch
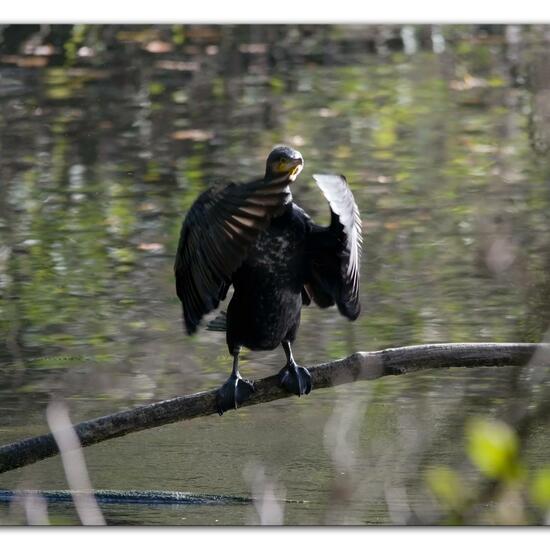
<point>358,366</point>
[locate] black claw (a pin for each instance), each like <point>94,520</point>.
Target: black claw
<point>233,393</point>
<point>295,379</point>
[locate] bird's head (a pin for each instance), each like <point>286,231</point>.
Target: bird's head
<point>283,163</point>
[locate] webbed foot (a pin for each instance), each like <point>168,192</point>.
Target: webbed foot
<point>295,379</point>
<point>233,393</point>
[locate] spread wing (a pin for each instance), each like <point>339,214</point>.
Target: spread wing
<point>334,252</point>
<point>216,235</point>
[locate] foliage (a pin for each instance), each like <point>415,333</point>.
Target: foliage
<point>517,494</point>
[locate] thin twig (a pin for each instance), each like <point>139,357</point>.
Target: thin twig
<point>74,464</point>
<point>358,366</point>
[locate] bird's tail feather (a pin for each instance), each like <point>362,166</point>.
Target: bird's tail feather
<point>219,323</point>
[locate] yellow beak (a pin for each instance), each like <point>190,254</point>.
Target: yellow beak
<point>293,165</point>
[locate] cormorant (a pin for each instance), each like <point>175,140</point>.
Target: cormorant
<point>254,237</point>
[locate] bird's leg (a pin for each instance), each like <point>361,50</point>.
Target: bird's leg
<point>293,378</point>
<point>236,390</point>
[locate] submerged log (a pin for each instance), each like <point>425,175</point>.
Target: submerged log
<point>107,496</point>
<point>358,366</point>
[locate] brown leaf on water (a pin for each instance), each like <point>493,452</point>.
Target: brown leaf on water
<point>44,49</point>
<point>392,226</point>
<point>32,61</point>
<point>85,52</point>
<point>142,35</point>
<point>158,46</point>
<point>203,33</point>
<point>467,83</point>
<point>28,61</point>
<point>192,135</point>
<point>325,112</point>
<point>147,207</point>
<point>150,247</point>
<point>253,48</point>
<point>171,65</point>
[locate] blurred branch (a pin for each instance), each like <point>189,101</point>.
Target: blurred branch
<point>358,366</point>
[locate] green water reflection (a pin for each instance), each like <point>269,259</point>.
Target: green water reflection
<point>102,154</point>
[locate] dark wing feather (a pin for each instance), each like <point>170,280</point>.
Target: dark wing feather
<point>334,252</point>
<point>216,235</point>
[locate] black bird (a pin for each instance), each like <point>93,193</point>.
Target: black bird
<point>254,237</point>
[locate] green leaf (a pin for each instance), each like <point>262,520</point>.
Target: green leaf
<point>156,88</point>
<point>540,488</point>
<point>493,448</point>
<point>446,485</point>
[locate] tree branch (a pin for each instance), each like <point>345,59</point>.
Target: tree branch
<point>358,366</point>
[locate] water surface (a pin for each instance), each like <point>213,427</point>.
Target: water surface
<point>101,156</point>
